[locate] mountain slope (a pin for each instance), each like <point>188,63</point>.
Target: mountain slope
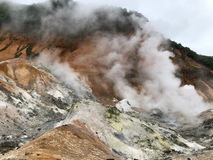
<point>65,142</point>
<point>72,51</point>
<point>32,100</point>
<point>101,81</point>
<point>192,72</point>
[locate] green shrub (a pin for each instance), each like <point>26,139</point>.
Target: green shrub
<point>202,59</point>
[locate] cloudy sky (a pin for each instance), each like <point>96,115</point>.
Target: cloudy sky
<point>189,22</point>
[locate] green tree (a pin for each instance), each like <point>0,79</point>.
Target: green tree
<point>57,4</point>
<point>202,59</point>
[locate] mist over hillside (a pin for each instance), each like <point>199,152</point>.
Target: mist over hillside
<point>65,18</point>
<point>128,48</point>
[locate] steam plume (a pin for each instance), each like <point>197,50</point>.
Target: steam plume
<point>124,57</point>
<point>64,72</point>
<point>156,72</point>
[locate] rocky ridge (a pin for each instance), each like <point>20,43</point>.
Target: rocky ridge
<point>32,100</point>
<point>59,98</point>
<point>125,133</point>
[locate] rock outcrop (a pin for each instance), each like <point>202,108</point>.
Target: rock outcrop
<point>66,142</point>
<point>110,88</point>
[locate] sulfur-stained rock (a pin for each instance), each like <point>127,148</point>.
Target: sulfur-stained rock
<point>31,101</point>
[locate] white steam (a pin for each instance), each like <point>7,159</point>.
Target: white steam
<point>160,88</point>
<point>64,72</point>
<point>127,59</point>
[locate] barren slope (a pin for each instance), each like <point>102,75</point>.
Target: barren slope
<point>83,57</point>
<point>67,142</point>
<point>100,84</point>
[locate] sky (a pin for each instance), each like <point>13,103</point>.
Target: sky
<point>189,22</point>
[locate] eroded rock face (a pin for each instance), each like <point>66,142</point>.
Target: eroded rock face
<point>26,76</point>
<point>68,142</point>
<point>36,102</point>
<point>81,54</point>
<point>31,101</point>
<point>202,133</point>
<point>127,135</point>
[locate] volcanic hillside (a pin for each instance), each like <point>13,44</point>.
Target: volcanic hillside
<point>97,75</point>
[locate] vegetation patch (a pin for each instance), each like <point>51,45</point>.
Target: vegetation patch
<point>29,49</point>
<point>28,20</point>
<point>202,59</point>
<point>112,113</point>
